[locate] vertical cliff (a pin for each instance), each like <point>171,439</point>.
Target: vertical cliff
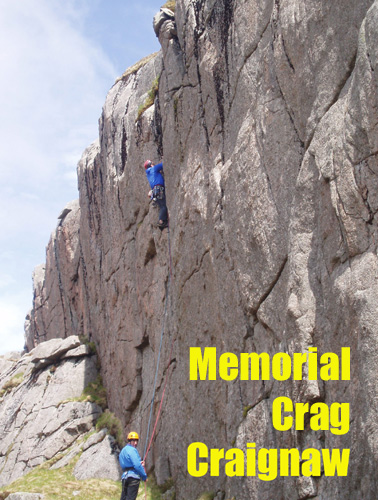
<point>266,115</point>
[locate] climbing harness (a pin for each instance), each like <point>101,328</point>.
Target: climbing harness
<point>158,192</point>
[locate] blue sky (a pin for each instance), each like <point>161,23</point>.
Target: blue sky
<point>58,60</point>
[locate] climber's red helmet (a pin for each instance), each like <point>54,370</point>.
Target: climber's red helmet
<point>147,164</point>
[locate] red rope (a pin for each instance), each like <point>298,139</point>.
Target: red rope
<point>161,402</point>
<point>167,376</point>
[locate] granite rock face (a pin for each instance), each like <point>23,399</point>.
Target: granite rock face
<point>100,460</point>
<point>266,116</point>
<point>40,417</point>
<point>57,302</point>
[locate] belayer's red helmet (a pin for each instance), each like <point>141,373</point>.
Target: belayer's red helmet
<point>147,164</point>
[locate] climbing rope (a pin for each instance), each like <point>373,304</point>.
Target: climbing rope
<point>148,446</point>
<point>157,365</point>
<point>167,295</point>
<point>161,401</point>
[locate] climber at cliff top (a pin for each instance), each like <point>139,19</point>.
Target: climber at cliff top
<point>133,467</point>
<point>155,178</point>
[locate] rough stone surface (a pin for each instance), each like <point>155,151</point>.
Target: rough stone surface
<point>99,461</point>
<point>164,16</point>
<point>7,360</point>
<point>47,352</point>
<point>38,417</point>
<point>82,350</point>
<point>58,287</point>
<point>306,487</point>
<point>95,439</point>
<point>267,118</point>
<point>24,496</point>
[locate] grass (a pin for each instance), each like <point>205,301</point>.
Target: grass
<point>136,67</point>
<point>208,495</point>
<point>151,488</point>
<point>109,421</point>
<point>92,345</point>
<point>12,384</point>
<point>150,99</point>
<point>95,392</point>
<point>171,4</point>
<point>246,410</point>
<point>62,484</point>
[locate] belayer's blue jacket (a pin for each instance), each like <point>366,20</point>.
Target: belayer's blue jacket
<point>130,463</point>
<point>154,175</point>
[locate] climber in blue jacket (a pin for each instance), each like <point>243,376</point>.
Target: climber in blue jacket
<point>155,178</point>
<point>133,468</point>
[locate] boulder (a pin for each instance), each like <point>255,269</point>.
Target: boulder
<point>164,15</point>
<point>99,461</point>
<point>50,351</point>
<point>39,414</point>
<point>25,496</point>
<point>73,205</point>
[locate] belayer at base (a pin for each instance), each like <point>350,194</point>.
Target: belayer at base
<point>133,468</point>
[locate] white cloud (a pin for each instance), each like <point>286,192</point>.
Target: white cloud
<point>6,280</point>
<point>53,84</point>
<point>52,79</point>
<point>12,317</point>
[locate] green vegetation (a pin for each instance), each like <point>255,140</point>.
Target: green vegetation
<point>92,346</point>
<point>171,4</point>
<point>150,98</point>
<point>95,392</point>
<point>11,384</point>
<point>208,495</point>
<point>136,67</point>
<point>109,421</point>
<point>61,483</point>
<point>153,490</point>
<point>246,410</point>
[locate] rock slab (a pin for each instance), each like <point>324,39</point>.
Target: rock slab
<point>40,416</point>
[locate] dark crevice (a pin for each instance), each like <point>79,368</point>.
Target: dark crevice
<point>157,127</point>
<point>60,284</point>
<point>370,63</point>
<point>287,56</point>
<point>197,34</point>
<point>123,150</point>
<point>151,252</point>
<point>145,343</point>
<point>272,285</point>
